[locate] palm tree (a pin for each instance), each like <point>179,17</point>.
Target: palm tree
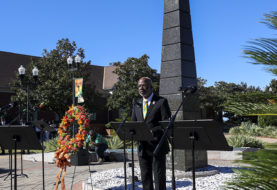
<point>264,50</point>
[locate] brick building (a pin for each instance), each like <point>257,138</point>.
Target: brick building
<point>101,77</point>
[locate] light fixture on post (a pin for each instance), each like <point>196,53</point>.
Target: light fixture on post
<point>69,62</point>
<point>21,71</point>
<point>72,69</point>
<point>77,61</point>
<point>35,73</point>
<point>24,82</point>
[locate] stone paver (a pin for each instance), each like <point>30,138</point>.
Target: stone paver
<point>34,172</point>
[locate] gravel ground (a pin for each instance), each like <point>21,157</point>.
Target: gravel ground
<point>113,179</point>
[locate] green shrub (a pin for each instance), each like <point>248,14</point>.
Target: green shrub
<point>51,145</point>
<point>115,142</point>
<point>264,121</point>
<point>261,171</point>
<point>270,146</point>
<point>244,141</point>
<point>251,129</point>
<point>269,131</point>
<point>235,130</point>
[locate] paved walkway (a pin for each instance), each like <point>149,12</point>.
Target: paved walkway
<point>34,172</point>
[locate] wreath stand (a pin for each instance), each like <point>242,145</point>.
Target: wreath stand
<point>69,145</point>
<point>80,158</point>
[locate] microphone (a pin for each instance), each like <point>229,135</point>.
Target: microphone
<point>8,106</point>
<point>188,89</point>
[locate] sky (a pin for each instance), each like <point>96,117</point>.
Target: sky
<point>114,30</point>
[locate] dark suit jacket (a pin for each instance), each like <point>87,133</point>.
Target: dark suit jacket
<point>157,111</point>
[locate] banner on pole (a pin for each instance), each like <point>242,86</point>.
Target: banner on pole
<point>79,89</point>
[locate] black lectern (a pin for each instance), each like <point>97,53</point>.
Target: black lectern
<point>197,134</point>
<point>209,133</point>
<point>134,131</point>
<point>18,137</point>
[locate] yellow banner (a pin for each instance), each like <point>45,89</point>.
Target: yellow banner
<point>79,89</point>
<point>263,114</point>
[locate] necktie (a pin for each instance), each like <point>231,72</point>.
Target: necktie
<point>145,108</point>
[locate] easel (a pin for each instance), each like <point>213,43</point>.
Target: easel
<point>197,135</point>
<point>75,163</point>
<point>18,137</point>
<point>134,131</point>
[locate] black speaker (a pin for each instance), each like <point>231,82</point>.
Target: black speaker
<point>80,158</point>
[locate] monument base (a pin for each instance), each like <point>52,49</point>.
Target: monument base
<point>183,159</point>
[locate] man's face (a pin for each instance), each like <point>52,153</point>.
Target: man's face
<point>144,88</point>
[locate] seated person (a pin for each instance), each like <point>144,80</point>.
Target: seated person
<point>100,143</point>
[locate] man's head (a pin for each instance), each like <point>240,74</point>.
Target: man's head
<point>91,133</point>
<point>145,87</point>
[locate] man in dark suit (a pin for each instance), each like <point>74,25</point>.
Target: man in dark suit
<point>151,109</point>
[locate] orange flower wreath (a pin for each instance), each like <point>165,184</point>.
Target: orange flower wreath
<point>67,145</point>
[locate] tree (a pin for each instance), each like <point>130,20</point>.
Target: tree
<point>261,51</point>
<point>272,88</point>
<point>213,98</point>
<point>264,50</point>
<point>129,72</point>
<point>260,173</point>
<point>209,100</point>
<point>54,88</point>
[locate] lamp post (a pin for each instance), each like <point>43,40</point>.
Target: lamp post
<point>73,69</point>
<point>111,93</point>
<point>21,71</point>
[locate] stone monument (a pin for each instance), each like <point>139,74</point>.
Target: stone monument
<point>178,70</point>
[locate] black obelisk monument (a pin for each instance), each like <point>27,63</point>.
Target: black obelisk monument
<point>178,70</point>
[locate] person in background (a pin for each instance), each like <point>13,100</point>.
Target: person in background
<point>54,126</point>
<point>2,123</point>
<point>100,143</point>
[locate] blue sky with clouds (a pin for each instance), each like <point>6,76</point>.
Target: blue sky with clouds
<point>113,30</point>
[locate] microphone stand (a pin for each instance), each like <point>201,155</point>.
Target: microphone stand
<point>170,125</point>
<point>124,143</point>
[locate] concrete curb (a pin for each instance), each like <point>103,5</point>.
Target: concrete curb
<point>117,156</point>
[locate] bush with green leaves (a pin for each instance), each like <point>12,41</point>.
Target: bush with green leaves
<point>244,141</point>
<point>260,173</point>
<point>51,145</point>
<point>252,129</point>
<point>264,121</point>
<point>114,142</point>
